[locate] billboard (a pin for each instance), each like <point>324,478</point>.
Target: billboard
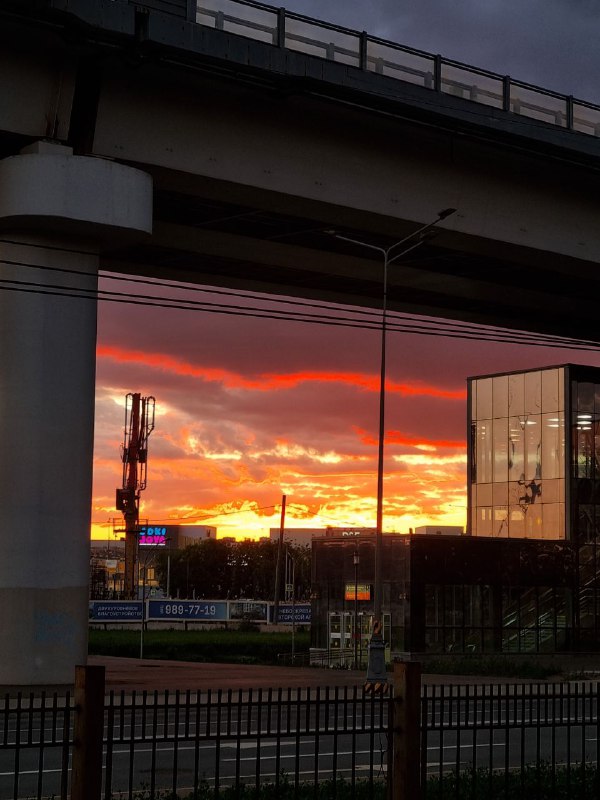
<point>115,611</point>
<point>152,535</point>
<point>248,609</point>
<point>288,613</point>
<point>359,591</point>
<point>202,610</point>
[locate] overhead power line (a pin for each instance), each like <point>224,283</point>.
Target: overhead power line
<point>319,312</point>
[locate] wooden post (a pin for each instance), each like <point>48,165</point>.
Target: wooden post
<point>406,732</point>
<point>86,776</point>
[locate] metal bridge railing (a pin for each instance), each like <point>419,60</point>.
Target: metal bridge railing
<point>293,31</point>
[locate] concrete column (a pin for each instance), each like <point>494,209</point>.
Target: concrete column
<point>55,210</point>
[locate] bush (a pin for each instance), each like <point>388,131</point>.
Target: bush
<point>497,666</point>
<point>581,782</point>
<point>217,646</point>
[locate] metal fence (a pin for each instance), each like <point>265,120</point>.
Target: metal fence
<point>511,741</point>
<point>494,741</point>
<point>186,742</point>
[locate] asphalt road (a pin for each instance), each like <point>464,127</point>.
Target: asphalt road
<point>232,742</point>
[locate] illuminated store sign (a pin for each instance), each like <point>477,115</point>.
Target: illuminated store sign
<point>152,535</point>
<point>362,590</point>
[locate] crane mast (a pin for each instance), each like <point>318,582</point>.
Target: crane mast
<point>139,424</point>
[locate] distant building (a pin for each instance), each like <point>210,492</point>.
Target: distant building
<point>305,536</point>
<point>440,530</point>
<point>107,558</point>
<point>526,577</point>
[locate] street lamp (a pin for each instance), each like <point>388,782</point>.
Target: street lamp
<point>356,562</point>
<point>149,554</point>
<point>376,672</point>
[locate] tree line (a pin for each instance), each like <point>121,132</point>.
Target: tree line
<point>219,570</point>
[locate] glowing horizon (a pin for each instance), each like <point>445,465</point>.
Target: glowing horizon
<point>248,410</point>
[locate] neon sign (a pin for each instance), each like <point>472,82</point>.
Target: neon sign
<point>152,535</point>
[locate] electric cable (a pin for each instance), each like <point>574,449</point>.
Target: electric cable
<point>374,314</point>
<point>431,329</point>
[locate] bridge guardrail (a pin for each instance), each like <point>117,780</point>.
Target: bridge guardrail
<point>332,42</point>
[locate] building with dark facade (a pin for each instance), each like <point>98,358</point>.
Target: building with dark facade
<point>526,576</point>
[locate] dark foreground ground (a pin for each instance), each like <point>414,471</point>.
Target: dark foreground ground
<point>130,673</point>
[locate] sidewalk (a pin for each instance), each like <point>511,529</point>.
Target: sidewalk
<point>131,673</point>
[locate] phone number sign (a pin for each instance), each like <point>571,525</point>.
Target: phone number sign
<point>187,609</point>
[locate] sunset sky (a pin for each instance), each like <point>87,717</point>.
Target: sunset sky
<point>248,409</point>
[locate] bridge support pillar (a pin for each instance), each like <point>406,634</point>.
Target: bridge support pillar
<point>56,210</point>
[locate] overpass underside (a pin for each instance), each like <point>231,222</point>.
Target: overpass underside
<point>256,156</point>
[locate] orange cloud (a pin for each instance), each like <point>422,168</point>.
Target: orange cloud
<point>271,381</point>
<point>397,437</point>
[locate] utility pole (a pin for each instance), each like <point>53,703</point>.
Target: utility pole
<point>139,424</point>
<point>279,563</point>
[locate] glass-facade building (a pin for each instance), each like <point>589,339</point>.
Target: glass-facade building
<point>526,577</point>
<point>517,467</point>
<point>444,595</point>
<point>534,471</point>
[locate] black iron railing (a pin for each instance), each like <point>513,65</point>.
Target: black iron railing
<point>182,742</point>
<point>493,741</point>
<point>510,741</point>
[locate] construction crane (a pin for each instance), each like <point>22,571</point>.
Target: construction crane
<point>139,424</point>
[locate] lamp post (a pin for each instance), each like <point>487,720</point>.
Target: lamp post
<point>356,561</point>
<point>143,567</point>
<point>376,672</point>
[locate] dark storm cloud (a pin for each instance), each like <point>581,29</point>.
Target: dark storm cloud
<point>551,43</point>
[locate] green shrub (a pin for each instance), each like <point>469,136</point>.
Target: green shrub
<point>580,782</point>
<point>498,666</point>
<point>220,646</point>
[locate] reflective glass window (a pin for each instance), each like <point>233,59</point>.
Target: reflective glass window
<point>484,521</point>
<point>515,492</point>
<point>516,449</point>
<point>484,494</point>
<point>553,434</point>
<point>533,522</point>
<point>484,450</point>
<point>551,523</point>
<point>516,394</point>
<point>500,396</point>
<point>516,523</point>
<point>583,445</point>
<point>533,447</point>
<point>597,399</point>
<point>596,445</point>
<point>587,610</point>
<point>585,396</point>
<point>585,522</point>
<point>510,606</point>
<point>550,391</point>
<point>597,524</point>
<point>484,398</point>
<point>561,521</point>
<point>500,494</point>
<point>433,605</point>
<point>500,524</point>
<point>500,445</point>
<point>533,392</point>
<point>453,605</point>
<point>552,491</point>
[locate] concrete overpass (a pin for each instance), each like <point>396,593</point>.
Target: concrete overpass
<point>218,145</point>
